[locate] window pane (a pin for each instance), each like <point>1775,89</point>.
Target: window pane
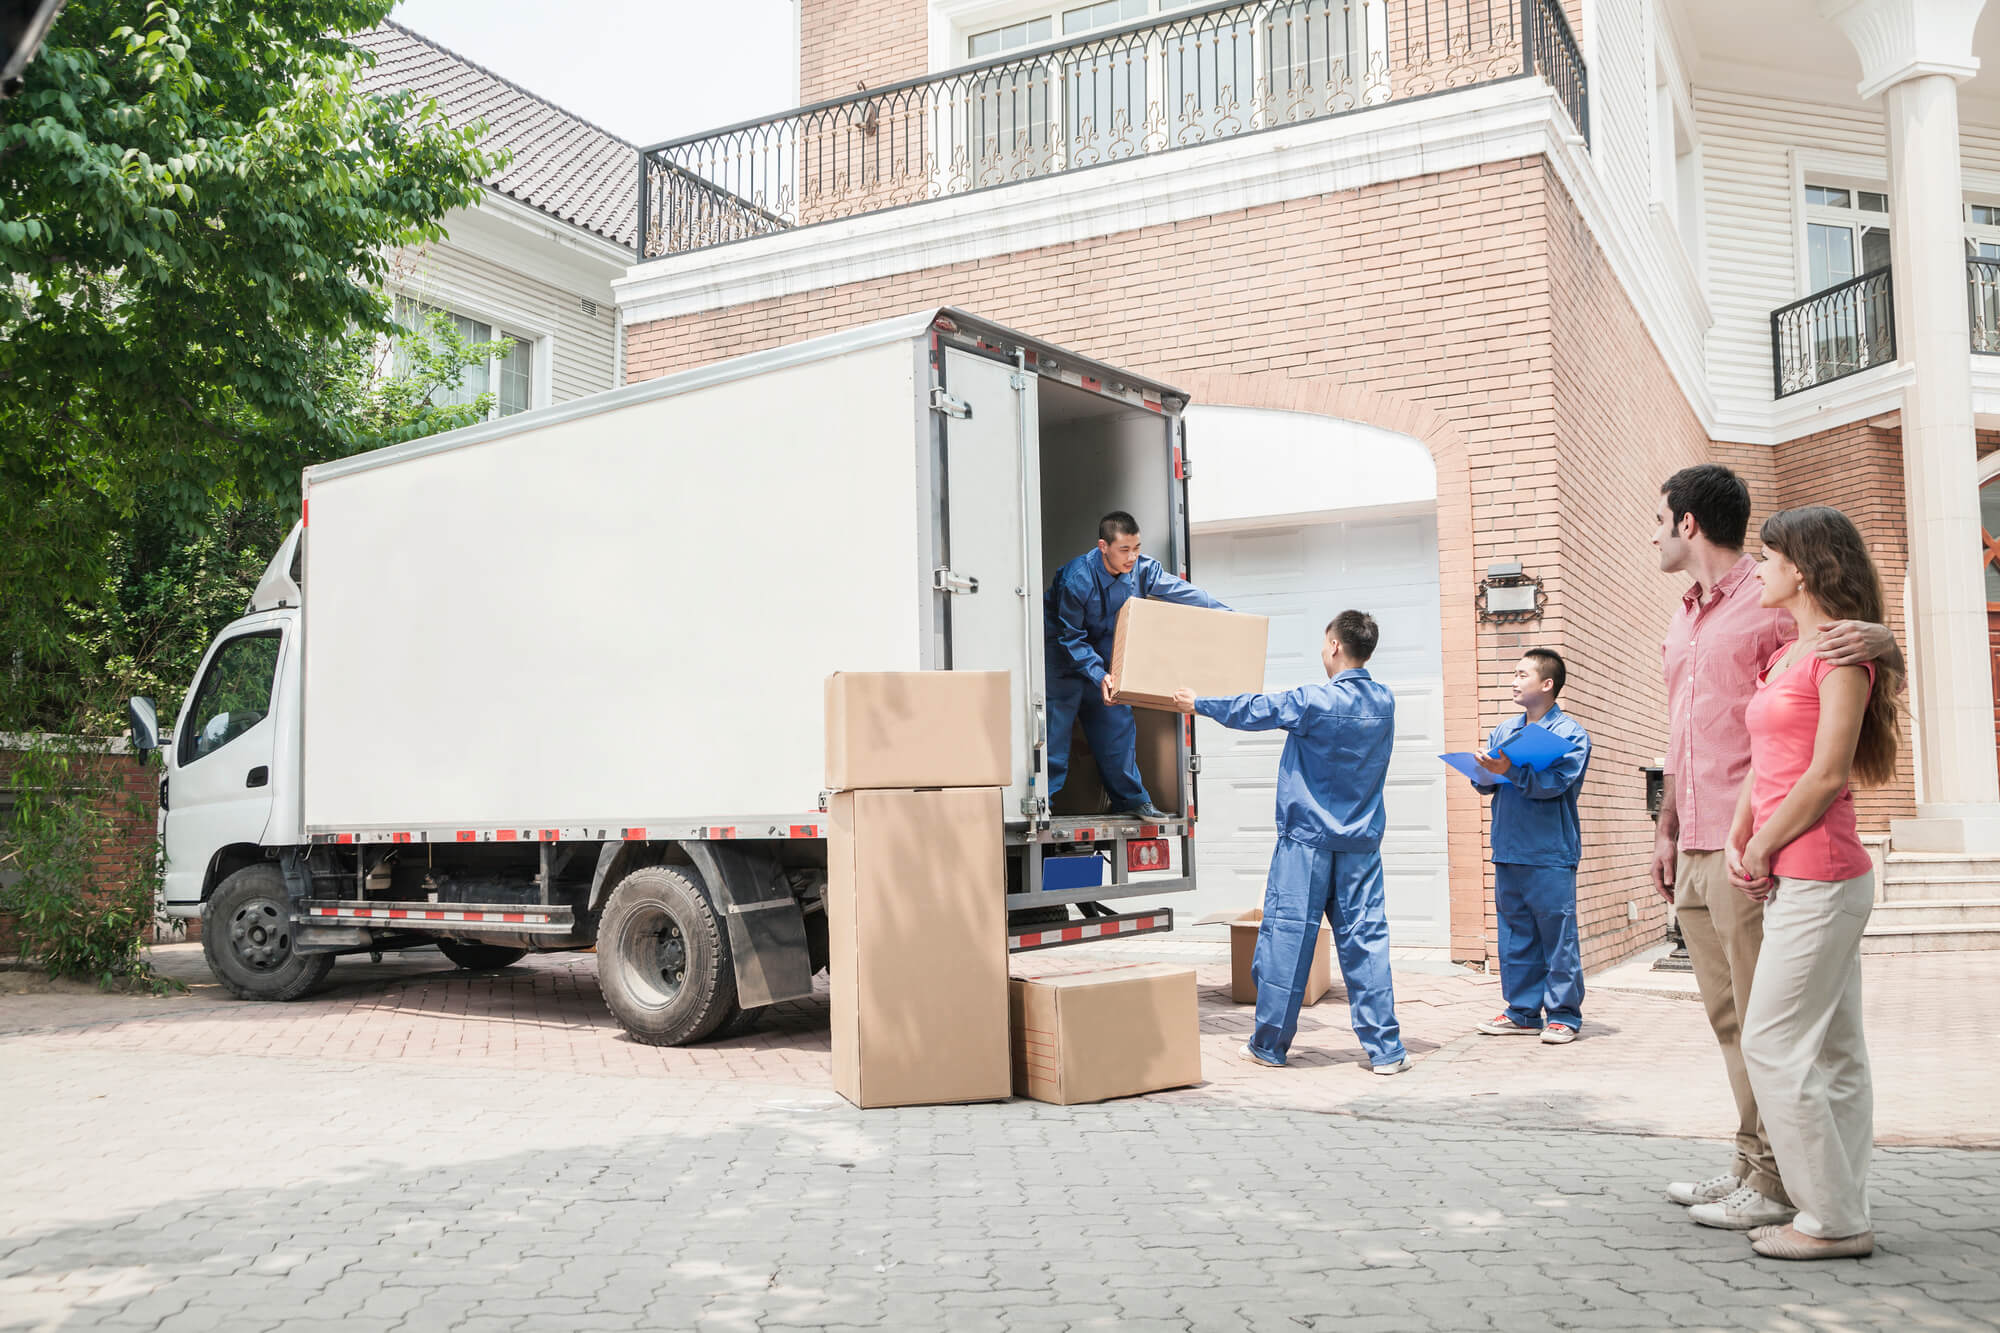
<point>517,376</point>
<point>1829,255</point>
<point>985,44</point>
<point>1040,30</point>
<point>1825,196</point>
<point>1986,215</point>
<point>1874,248</point>
<point>233,697</point>
<point>1874,203</point>
<point>1989,519</point>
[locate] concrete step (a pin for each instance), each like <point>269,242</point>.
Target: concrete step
<point>1929,939</point>
<point>1949,876</point>
<point>1892,914</point>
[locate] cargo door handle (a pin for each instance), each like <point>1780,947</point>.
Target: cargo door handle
<point>945,580</point>
<point>955,408</point>
<point>259,776</point>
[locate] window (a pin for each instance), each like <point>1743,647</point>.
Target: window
<point>233,697</point>
<point>510,378</point>
<point>1847,233</point>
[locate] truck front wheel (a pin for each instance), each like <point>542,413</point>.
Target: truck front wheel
<point>247,936</point>
<point>663,960</point>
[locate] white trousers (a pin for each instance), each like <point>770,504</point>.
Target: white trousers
<point>1804,1052</point>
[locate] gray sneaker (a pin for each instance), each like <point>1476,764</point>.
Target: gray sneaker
<point>1743,1210</point>
<point>1393,1067</point>
<point>1715,1189</point>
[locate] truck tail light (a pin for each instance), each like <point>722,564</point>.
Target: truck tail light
<point>1145,854</point>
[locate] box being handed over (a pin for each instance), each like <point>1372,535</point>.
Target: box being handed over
<point>1161,646</point>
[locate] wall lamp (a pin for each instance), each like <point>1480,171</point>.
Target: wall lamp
<point>1508,593</point>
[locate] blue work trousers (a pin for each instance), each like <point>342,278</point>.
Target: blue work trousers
<point>1541,963</point>
<point>1308,883</point>
<point>1111,731</point>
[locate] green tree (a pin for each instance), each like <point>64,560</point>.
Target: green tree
<point>196,202</point>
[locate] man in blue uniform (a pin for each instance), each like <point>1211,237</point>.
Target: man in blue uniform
<point>1537,842</point>
<point>1329,856</point>
<point>1080,620</point>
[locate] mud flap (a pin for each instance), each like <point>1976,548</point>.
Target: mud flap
<point>767,931</point>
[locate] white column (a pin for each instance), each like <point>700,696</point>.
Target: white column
<point>1914,53</point>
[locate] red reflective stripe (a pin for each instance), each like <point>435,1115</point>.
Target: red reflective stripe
<point>395,913</point>
<point>399,837</point>
<point>1073,933</point>
<point>343,837</point>
<point>550,835</point>
<point>633,834</point>
<point>729,832</point>
<point>1180,469</point>
<point>513,916</point>
<point>467,835</point>
<point>505,835</point>
<point>1090,383</point>
<point>1026,941</point>
<point>804,831</point>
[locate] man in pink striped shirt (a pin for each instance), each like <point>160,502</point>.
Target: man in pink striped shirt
<point>1720,639</point>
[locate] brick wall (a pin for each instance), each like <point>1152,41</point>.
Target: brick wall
<point>1447,330</point>
<point>844,43</point>
<point>127,796</point>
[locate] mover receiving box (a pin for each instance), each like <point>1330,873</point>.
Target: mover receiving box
<point>1160,646</point>
<point>900,729</point>
<point>1243,950</point>
<point>917,924</point>
<point>1088,1036</point>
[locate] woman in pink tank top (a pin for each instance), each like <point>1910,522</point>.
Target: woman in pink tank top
<point>1793,847</point>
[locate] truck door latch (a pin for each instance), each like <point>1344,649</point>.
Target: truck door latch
<point>944,580</point>
<point>955,408</point>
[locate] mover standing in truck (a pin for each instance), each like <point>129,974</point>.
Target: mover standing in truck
<point>1081,618</point>
<point>1329,856</point>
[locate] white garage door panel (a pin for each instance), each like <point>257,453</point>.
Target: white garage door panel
<point>1300,577</point>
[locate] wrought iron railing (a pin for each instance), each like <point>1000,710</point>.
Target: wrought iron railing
<point>1833,333</point>
<point>1206,74</point>
<point>1982,297</point>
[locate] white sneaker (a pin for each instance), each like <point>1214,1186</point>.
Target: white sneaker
<point>1715,1189</point>
<point>1500,1025</point>
<point>1249,1056</point>
<point>1393,1067</point>
<point>1742,1210</point>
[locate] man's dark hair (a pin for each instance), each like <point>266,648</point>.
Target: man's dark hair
<point>1549,662</point>
<point>1355,631</point>
<point>1118,524</point>
<point>1717,498</point>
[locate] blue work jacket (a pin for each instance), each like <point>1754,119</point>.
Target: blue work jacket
<point>1336,758</point>
<point>1534,811</point>
<point>1080,614</point>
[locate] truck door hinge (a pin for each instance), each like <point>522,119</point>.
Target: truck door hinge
<point>944,580</point>
<point>1017,381</point>
<point>955,408</point>
<point>1194,763</point>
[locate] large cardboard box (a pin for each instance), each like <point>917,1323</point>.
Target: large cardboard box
<point>1160,646</point>
<point>917,923</point>
<point>1243,949</point>
<point>1089,1036</point>
<point>1159,765</point>
<point>902,729</point>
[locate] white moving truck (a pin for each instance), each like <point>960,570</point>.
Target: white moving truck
<point>556,681</point>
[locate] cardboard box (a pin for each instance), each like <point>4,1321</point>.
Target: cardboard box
<point>1159,647</point>
<point>917,924</point>
<point>1159,765</point>
<point>1089,1036</point>
<point>1243,948</point>
<point>892,730</point>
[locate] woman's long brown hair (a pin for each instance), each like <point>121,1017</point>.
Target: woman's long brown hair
<point>1840,575</point>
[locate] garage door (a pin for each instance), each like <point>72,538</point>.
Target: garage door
<point>1301,576</point>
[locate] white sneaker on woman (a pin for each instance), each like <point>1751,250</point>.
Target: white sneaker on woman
<point>1743,1210</point>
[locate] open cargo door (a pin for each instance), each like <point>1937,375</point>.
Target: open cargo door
<point>992,575</point>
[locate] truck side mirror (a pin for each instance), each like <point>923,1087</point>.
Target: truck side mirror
<point>145,724</point>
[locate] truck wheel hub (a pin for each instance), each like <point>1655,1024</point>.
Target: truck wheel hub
<point>260,934</point>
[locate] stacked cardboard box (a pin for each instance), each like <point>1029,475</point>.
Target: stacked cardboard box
<point>1089,1036</point>
<point>916,886</point>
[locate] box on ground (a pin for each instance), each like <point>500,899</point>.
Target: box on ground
<point>917,928</point>
<point>1243,950</point>
<point>1089,1036</point>
<point>1159,647</point>
<point>903,729</point>
<point>1159,766</point>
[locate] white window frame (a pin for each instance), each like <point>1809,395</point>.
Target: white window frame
<point>1839,170</point>
<point>506,321</point>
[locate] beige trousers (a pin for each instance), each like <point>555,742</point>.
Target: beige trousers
<point>1803,1046</point>
<point>1724,930</point>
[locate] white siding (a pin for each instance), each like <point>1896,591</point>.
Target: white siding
<point>1621,108</point>
<point>585,346</point>
<point>1747,147</point>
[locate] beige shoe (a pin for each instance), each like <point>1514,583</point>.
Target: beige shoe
<point>1788,1242</point>
<point>1756,1234</point>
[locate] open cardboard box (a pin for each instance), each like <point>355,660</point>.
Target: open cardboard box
<point>1243,950</point>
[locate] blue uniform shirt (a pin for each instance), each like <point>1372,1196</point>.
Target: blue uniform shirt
<point>1534,812</point>
<point>1336,758</point>
<point>1080,614</point>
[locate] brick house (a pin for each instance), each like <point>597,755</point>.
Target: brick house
<point>1454,284</point>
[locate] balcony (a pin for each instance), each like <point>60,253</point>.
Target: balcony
<point>1210,74</point>
<point>1850,328</point>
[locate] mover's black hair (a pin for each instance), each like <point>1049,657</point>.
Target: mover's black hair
<point>1549,662</point>
<point>1116,524</point>
<point>1357,632</point>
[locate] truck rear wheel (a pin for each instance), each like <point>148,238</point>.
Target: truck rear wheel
<point>663,959</point>
<point>247,937</point>
<point>480,957</point>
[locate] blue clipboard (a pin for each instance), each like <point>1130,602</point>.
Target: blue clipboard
<point>1536,747</point>
<point>1464,762</point>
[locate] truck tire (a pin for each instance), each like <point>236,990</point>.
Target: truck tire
<point>663,959</point>
<point>246,935</point>
<point>475,957</point>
